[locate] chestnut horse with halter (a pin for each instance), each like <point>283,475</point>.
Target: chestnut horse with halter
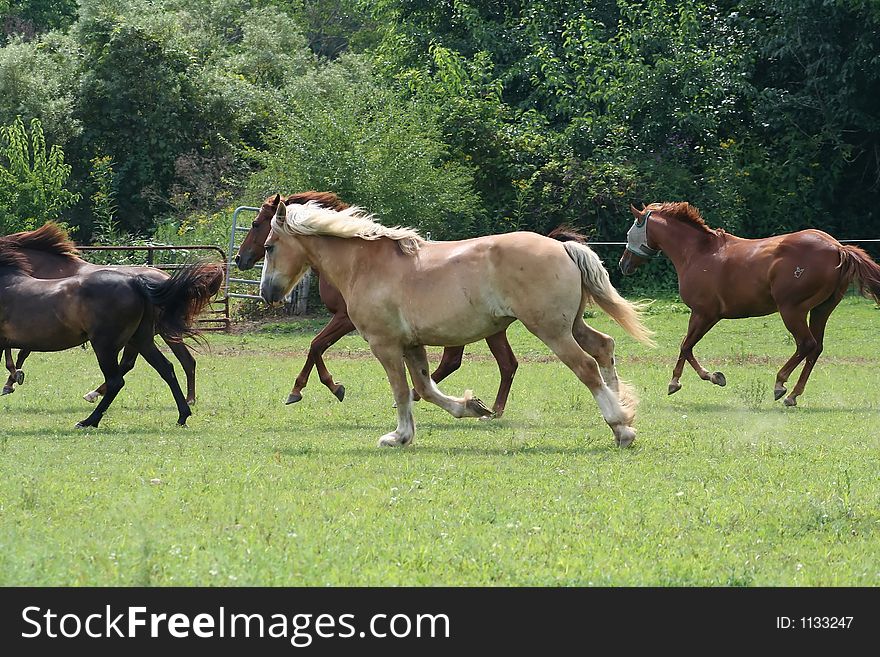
<point>722,276</point>
<point>112,310</point>
<point>252,251</point>
<point>404,293</point>
<point>62,260</point>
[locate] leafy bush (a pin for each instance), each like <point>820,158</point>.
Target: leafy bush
<point>32,179</point>
<point>344,131</point>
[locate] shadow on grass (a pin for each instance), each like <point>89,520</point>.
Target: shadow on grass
<point>776,408</point>
<point>69,431</point>
<point>372,451</point>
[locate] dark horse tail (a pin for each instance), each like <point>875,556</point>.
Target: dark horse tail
<point>857,265</point>
<point>182,297</point>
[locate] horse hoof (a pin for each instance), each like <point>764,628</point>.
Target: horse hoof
<point>778,393</point>
<point>718,379</point>
<point>7,390</point>
<point>82,425</point>
<point>340,392</point>
<point>673,388</point>
<point>19,376</point>
<point>790,401</point>
<point>191,402</point>
<point>478,408</point>
<point>393,440</point>
<point>624,436</point>
<point>91,397</point>
<point>293,398</point>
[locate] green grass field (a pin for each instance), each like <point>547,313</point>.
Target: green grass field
<point>723,486</point>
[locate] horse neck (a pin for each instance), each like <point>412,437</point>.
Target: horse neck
<point>679,240</point>
<point>52,265</point>
<point>336,258</point>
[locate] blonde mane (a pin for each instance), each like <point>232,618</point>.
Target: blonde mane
<point>313,219</point>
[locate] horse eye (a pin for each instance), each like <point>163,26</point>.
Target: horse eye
<point>269,248</point>
<point>255,224</point>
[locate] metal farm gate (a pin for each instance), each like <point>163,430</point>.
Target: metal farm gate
<point>216,316</point>
<point>297,303</point>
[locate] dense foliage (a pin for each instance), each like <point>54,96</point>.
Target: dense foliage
<point>458,116</point>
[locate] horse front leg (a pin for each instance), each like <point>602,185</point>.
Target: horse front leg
<point>391,357</point>
<point>698,326</point>
<point>450,361</point>
<point>16,375</point>
<point>341,325</point>
<point>468,406</point>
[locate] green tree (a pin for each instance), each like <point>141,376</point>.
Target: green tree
<point>346,132</point>
<point>33,179</point>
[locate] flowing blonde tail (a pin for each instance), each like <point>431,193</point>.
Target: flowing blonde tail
<point>596,282</point>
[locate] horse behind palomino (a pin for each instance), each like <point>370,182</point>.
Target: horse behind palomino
<point>722,276</point>
<point>50,254</point>
<point>252,251</point>
<point>404,293</point>
<point>114,311</point>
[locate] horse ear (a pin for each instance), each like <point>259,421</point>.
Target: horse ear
<point>275,199</point>
<point>636,213</point>
<point>280,212</point>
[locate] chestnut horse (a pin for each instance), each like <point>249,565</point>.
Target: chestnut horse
<point>114,311</point>
<point>404,293</point>
<point>722,276</point>
<point>252,251</point>
<point>51,255</point>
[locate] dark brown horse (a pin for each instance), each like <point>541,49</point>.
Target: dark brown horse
<point>112,310</point>
<point>54,256</point>
<point>722,276</point>
<point>252,250</point>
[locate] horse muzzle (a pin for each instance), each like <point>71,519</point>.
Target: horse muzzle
<point>244,262</point>
<point>272,294</point>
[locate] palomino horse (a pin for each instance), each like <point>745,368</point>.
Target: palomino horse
<point>252,251</point>
<point>722,276</point>
<point>51,255</point>
<point>404,293</point>
<point>112,310</point>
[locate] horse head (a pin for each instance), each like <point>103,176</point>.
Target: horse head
<point>252,248</point>
<point>286,260</point>
<point>638,250</point>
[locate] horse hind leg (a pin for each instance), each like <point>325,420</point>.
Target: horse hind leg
<point>507,366</point>
<point>163,366</point>
<point>795,320</point>
<point>618,414</point>
<point>468,406</point>
<point>188,363</point>
<point>818,320</point>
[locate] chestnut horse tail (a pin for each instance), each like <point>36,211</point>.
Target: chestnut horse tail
<point>857,265</point>
<point>182,297</point>
<point>596,283</point>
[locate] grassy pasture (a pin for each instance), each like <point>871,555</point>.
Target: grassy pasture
<point>723,486</point>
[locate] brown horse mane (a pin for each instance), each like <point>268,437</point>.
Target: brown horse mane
<point>50,237</point>
<point>327,200</point>
<point>683,211</point>
<point>566,233</point>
